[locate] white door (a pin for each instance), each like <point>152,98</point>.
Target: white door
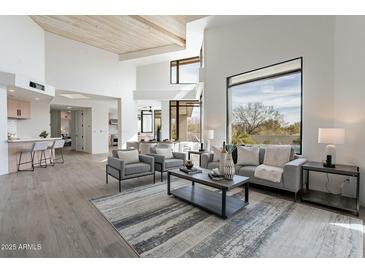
<point>79,130</point>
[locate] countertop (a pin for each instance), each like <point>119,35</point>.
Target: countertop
<point>25,140</point>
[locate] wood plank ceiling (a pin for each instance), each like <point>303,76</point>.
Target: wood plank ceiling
<point>130,36</point>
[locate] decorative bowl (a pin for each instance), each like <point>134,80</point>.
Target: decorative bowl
<point>189,164</point>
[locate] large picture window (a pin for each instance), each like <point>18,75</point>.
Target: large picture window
<point>264,106</point>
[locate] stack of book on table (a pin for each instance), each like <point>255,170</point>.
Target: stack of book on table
<point>215,175</point>
<point>190,171</point>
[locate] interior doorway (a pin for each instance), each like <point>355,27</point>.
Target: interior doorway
<point>74,126</point>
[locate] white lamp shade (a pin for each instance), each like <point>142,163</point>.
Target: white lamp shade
<point>334,136</point>
<point>210,134</point>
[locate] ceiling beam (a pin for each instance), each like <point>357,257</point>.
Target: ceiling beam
<point>173,37</point>
<point>148,52</point>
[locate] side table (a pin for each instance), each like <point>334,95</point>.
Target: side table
<point>198,153</point>
<point>328,199</point>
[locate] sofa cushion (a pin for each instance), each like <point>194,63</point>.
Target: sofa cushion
<point>128,156</point>
<point>136,168</point>
<point>212,165</point>
<point>277,155</point>
<point>248,156</point>
<point>216,153</point>
<point>171,163</point>
<point>248,171</point>
<point>167,152</point>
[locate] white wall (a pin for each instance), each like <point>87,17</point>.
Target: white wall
<point>349,90</point>
<point>22,47</point>
<point>165,120</point>
<point>333,58</point>
<point>21,52</point>
<point>74,66</point>
<point>156,77</point>
<point>40,120</point>
<point>100,128</point>
<point>251,44</point>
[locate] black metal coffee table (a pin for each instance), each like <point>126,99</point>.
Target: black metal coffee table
<point>215,202</point>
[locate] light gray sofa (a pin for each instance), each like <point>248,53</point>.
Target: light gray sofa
<point>290,181</point>
<point>122,171</point>
<point>163,165</point>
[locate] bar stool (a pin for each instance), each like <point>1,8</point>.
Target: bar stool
<point>37,146</point>
<point>57,145</point>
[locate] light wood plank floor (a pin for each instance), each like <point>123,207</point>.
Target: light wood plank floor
<point>51,207</point>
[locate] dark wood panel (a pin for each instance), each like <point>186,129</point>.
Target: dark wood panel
<point>339,169</point>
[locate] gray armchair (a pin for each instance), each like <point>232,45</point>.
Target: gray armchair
<point>120,170</point>
<point>163,165</point>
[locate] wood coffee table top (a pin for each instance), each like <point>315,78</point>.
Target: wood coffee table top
<point>204,179</point>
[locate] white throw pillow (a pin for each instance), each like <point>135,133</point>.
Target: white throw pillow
<point>216,153</point>
<point>167,152</point>
<point>248,156</point>
<point>277,155</point>
<point>129,156</point>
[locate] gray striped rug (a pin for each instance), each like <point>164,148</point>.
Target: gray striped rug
<point>158,225</point>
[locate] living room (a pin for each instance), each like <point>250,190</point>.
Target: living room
<point>238,136</point>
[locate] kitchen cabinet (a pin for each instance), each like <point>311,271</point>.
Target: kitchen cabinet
<point>19,109</point>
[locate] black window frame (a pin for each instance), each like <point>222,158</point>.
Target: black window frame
<point>269,77</point>
<point>152,122</point>
<point>177,105</point>
<point>195,59</point>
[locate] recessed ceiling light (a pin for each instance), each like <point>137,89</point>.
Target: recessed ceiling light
<point>69,107</point>
<point>74,96</point>
<point>11,90</point>
<point>37,99</point>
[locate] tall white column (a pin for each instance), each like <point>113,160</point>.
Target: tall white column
<point>165,119</point>
<point>3,131</point>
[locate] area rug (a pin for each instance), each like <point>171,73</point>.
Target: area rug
<point>158,225</point>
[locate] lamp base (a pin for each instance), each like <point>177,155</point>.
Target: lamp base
<point>328,165</point>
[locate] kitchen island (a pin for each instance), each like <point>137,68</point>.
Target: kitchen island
<point>17,145</point>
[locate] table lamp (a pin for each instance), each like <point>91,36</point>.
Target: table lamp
<point>210,136</point>
<point>331,137</point>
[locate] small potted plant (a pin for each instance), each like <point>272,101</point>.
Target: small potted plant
<point>43,134</point>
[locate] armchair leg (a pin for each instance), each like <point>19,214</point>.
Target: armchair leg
<point>161,176</point>
<point>120,185</point>
<point>295,197</point>
<point>154,177</point>
<point>106,175</point>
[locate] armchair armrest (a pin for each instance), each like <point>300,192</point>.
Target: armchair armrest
<point>292,174</point>
<point>206,158</point>
<point>158,158</point>
<point>116,163</point>
<point>180,155</point>
<point>148,160</point>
